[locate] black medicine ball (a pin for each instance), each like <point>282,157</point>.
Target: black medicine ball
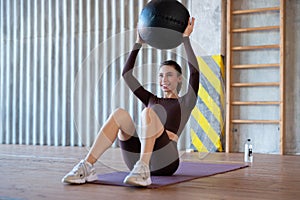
<point>162,22</point>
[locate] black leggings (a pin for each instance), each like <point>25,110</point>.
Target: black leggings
<point>164,160</point>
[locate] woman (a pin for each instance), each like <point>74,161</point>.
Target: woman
<point>154,150</point>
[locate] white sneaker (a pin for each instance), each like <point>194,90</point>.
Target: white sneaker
<point>139,176</point>
<point>83,172</point>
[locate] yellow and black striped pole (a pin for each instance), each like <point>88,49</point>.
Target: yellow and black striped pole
<point>207,121</point>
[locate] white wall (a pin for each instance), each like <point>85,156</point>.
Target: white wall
<point>208,33</point>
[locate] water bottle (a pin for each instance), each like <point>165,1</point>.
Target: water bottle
<point>248,154</point>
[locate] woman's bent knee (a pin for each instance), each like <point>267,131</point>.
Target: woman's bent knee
<point>120,111</point>
<point>120,116</point>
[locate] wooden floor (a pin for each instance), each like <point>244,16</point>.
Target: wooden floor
<point>34,172</point>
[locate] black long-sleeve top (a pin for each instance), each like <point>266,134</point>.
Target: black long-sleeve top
<point>173,112</point>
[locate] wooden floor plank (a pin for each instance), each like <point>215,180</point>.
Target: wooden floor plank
<point>34,172</point>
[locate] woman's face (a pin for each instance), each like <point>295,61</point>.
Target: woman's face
<point>169,79</point>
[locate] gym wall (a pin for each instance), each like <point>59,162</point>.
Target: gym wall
<point>53,90</point>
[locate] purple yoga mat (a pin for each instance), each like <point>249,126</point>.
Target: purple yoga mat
<point>186,171</point>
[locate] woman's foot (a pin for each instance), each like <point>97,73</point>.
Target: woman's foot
<point>83,172</point>
<point>139,176</point>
